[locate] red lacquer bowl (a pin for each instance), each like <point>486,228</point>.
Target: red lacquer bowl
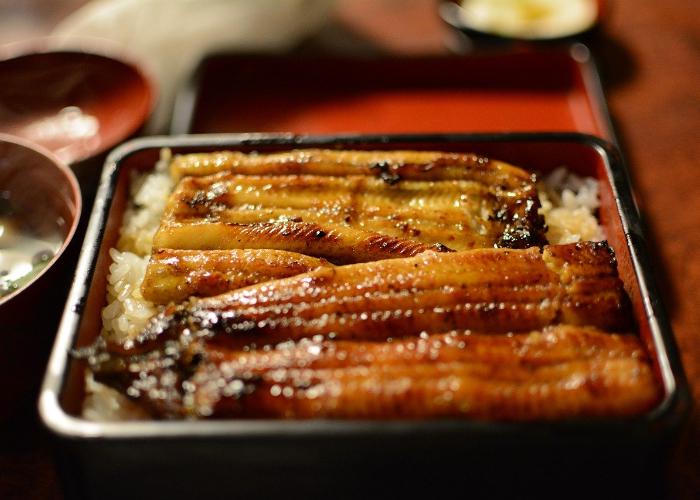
<point>76,103</point>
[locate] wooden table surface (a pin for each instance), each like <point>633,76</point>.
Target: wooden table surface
<point>649,53</point>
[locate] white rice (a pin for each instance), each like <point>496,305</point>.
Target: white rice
<point>569,204</point>
<point>104,404</point>
<point>127,312</point>
<point>149,195</point>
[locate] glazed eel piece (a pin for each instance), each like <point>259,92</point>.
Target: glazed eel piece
<point>351,342</point>
<point>551,345</point>
<point>340,245</point>
<point>497,290</point>
<point>558,372</point>
<point>389,165</point>
<point>350,206</point>
<point>175,275</point>
<point>581,388</point>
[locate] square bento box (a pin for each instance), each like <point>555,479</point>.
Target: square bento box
<point>337,458</point>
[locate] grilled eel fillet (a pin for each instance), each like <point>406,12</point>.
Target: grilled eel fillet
<point>175,275</point>
<point>558,372</point>
<point>499,290</point>
<point>349,206</point>
<point>213,357</point>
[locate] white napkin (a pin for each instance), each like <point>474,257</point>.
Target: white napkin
<point>171,36</point>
